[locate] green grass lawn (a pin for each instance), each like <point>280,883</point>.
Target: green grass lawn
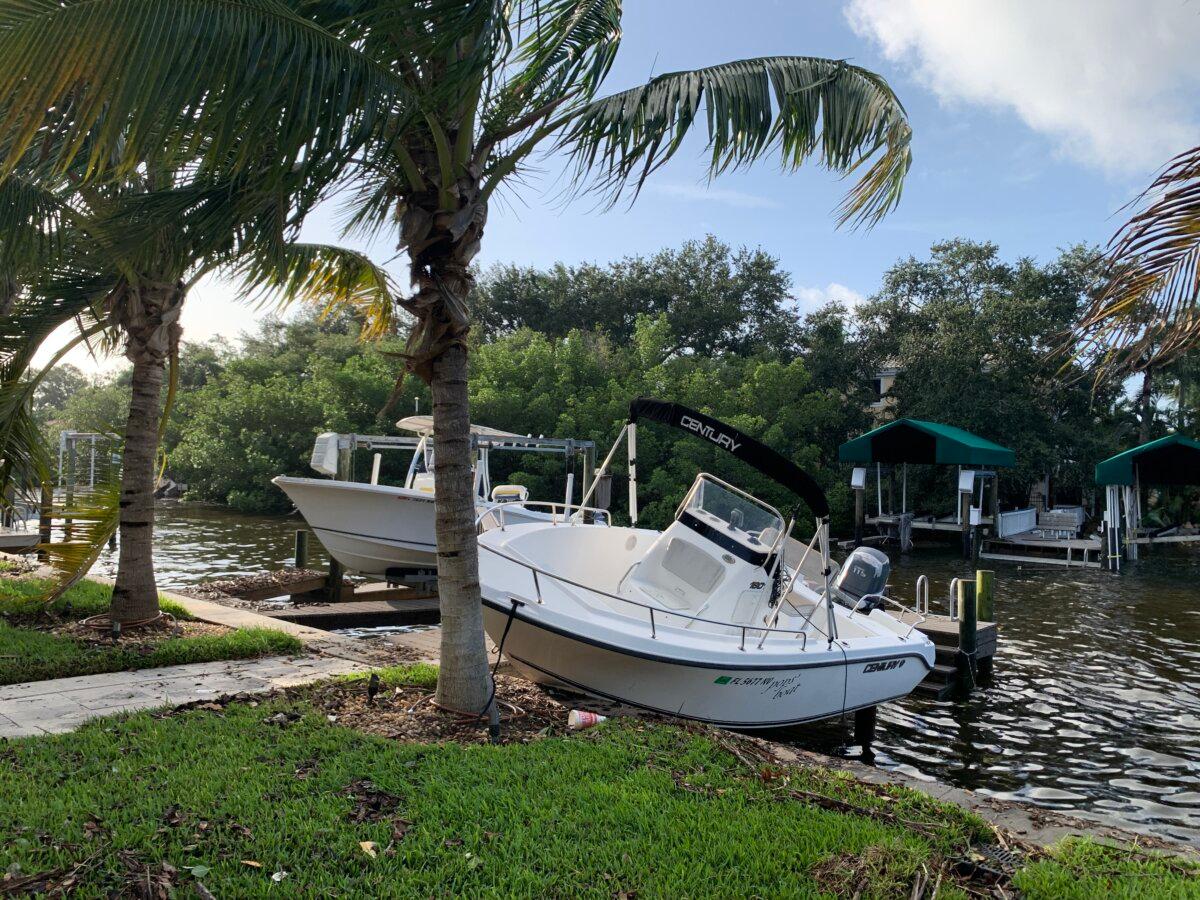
<point>21,600</point>
<point>30,654</point>
<point>251,803</point>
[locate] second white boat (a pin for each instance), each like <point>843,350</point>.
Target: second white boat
<point>388,531</point>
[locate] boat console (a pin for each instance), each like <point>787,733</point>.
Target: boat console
<point>716,560</point>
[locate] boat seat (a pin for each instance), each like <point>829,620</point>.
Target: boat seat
<point>510,493</point>
<point>677,574</point>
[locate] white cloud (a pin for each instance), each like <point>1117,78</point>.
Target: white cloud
<point>810,298</point>
<point>1112,82</point>
<point>702,192</point>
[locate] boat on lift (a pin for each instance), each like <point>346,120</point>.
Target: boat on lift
<point>721,617</point>
<point>387,531</point>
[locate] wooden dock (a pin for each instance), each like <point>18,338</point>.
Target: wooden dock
<point>419,609</point>
<point>1028,548</point>
<point>942,681</point>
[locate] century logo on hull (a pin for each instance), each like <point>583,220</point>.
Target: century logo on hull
<point>707,431</point>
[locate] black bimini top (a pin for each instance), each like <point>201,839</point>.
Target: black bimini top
<point>744,447</point>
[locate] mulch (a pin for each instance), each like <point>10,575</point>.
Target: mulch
<point>408,714</point>
<point>144,638</point>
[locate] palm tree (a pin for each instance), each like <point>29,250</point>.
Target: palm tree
<point>456,97</point>
<point>1147,314</point>
<point>127,253</point>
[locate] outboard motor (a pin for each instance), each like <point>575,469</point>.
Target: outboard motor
<point>864,572</point>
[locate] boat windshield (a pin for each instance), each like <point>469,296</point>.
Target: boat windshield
<point>745,517</point>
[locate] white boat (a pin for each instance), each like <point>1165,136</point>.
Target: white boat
<point>719,618</point>
<point>388,532</point>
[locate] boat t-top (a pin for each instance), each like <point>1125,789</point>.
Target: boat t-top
<point>387,531</point>
<point>720,617</point>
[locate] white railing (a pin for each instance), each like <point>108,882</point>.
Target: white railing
<point>1016,521</point>
<point>560,514</point>
<point>917,617</point>
<point>922,595</point>
<point>536,571</point>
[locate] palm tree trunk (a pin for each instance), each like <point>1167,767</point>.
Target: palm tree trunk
<point>135,596</point>
<point>149,318</point>
<point>441,247</point>
<point>463,682</point>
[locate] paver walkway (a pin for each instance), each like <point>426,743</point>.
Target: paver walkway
<point>63,704</point>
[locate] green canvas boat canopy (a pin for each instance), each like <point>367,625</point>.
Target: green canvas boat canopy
<point>1174,459</point>
<point>918,441</point>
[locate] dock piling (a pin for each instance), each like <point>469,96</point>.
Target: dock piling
<point>46,513</point>
<point>301,556</point>
<point>864,727</point>
<point>967,634</point>
<point>333,591</point>
<point>858,516</point>
<point>985,592</point>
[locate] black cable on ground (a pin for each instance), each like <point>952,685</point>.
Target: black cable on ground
<point>490,707</point>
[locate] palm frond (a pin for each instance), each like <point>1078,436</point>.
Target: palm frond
<point>1148,312</point>
<point>112,80</point>
<point>798,106</point>
<point>331,278</point>
<point>566,47</point>
<point>94,516</point>
<point>31,223</point>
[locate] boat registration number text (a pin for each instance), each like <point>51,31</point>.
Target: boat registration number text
<point>776,687</point>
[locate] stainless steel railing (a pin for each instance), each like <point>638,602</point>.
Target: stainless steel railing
<point>918,618</point>
<point>536,571</point>
<point>571,515</point>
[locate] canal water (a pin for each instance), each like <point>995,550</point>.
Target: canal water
<point>1095,703</point>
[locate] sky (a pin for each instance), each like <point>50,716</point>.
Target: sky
<point>1034,123</point>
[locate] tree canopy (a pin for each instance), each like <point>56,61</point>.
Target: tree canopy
<point>716,300</point>
<point>970,331</point>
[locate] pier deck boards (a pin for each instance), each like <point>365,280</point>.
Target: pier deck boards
<point>943,631</point>
<point>1029,548</point>
<point>415,609</point>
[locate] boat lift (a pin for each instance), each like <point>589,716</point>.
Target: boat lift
<point>916,441</point>
<point>1168,461</point>
<point>333,453</point>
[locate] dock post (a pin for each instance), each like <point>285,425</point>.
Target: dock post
<point>967,634</point>
<point>985,594</point>
<point>985,604</point>
<point>333,589</point>
<point>301,557</point>
<point>858,516</point>
<point>45,517</point>
<point>964,518</point>
<point>69,501</point>
<point>864,727</point>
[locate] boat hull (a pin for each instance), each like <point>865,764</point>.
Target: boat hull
<point>374,529</point>
<point>742,696</point>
